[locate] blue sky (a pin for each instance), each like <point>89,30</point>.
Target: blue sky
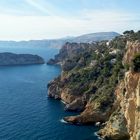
<point>42,19</point>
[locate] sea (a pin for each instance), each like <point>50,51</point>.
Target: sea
<point>26,112</point>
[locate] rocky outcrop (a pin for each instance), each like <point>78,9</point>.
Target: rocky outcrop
<point>70,50</point>
<point>116,128</point>
<point>124,123</point>
<point>90,115</point>
<point>76,105</point>
<point>73,102</point>
<point>132,47</point>
<point>19,59</point>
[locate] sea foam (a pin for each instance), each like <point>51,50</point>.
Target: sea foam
<point>63,121</point>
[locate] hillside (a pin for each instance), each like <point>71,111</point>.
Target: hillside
<point>95,37</point>
<point>7,59</point>
<point>101,80</point>
<point>59,42</point>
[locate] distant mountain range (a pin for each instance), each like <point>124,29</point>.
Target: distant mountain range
<point>86,38</point>
<point>12,59</point>
<point>95,37</point>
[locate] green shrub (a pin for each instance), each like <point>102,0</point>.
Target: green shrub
<point>126,66</point>
<point>136,63</point>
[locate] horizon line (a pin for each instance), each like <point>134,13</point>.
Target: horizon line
<point>59,38</point>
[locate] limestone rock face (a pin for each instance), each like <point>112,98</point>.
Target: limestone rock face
<point>90,115</point>
<point>67,96</point>
<point>57,91</point>
<point>133,48</point>
<point>73,102</point>
<point>115,129</point>
<point>69,50</point>
<point>124,123</point>
<point>53,89</point>
<point>77,105</point>
<point>130,104</point>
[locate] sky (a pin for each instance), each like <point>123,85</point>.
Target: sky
<point>48,19</point>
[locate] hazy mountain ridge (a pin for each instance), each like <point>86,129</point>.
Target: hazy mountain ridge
<point>87,38</point>
<point>95,37</point>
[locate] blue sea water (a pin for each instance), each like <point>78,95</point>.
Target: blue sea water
<point>25,111</point>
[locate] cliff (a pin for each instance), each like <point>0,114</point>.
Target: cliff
<point>19,59</point>
<point>95,81</point>
<point>124,123</point>
<point>132,47</point>
<point>69,51</point>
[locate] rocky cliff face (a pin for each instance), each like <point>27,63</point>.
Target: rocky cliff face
<point>124,122</point>
<point>105,92</point>
<point>19,59</point>
<point>69,87</point>
<point>73,102</point>
<point>132,47</point>
<point>70,50</point>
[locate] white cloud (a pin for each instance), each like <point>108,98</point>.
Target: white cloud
<point>41,27</point>
<point>36,5</point>
<point>44,6</point>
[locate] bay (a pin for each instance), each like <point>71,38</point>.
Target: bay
<point>26,113</point>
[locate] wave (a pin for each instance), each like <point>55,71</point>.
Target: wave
<point>98,136</point>
<point>63,102</point>
<point>63,121</point>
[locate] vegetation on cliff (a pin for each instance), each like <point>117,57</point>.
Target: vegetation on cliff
<point>90,75</point>
<point>136,63</point>
<point>92,70</point>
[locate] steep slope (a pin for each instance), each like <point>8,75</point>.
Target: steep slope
<point>125,122</point>
<point>102,81</point>
<point>88,70</point>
